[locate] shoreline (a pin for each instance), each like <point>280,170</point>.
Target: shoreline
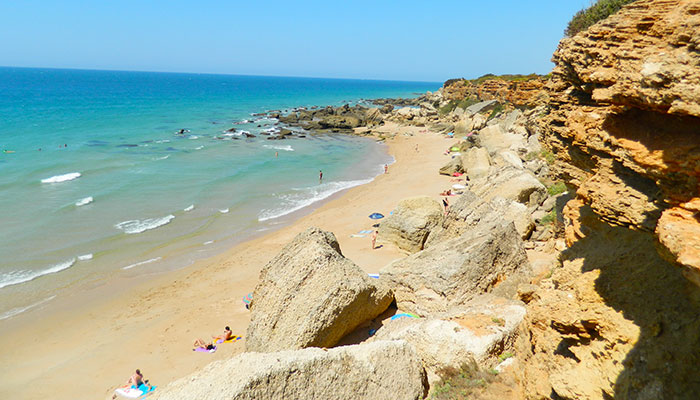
<point>152,324</point>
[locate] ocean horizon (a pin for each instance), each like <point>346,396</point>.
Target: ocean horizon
<point>97,182</point>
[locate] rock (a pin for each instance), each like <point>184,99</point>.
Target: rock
<point>452,272</point>
<point>309,295</point>
<point>480,107</point>
<point>527,292</point>
<point>510,120</point>
<point>533,144</point>
<point>476,162</point>
<point>479,331</point>
<point>508,157</point>
<point>494,139</point>
<point>230,130</point>
<point>387,108</point>
<point>454,165</point>
<point>470,211</point>
<point>378,370</point>
<point>512,184</point>
<point>409,226</point>
<point>341,122</point>
<point>623,117</point>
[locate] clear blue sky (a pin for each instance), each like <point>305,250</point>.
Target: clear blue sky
<point>401,40</point>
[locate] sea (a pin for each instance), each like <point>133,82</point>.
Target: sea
<point>96,182</point>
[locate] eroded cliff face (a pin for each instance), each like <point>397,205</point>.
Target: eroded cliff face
<point>625,122</point>
<point>521,93</point>
<point>618,317</point>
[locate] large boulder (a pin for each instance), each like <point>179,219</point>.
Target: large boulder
<point>310,295</point>
<point>469,211</point>
<point>510,183</point>
<point>454,165</point>
<point>378,370</point>
<point>487,258</point>
<point>495,139</point>
<point>409,226</point>
<point>480,331</point>
<point>476,162</point>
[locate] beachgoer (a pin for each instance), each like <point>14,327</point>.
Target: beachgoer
<point>374,238</point>
<point>386,169</point>
<point>226,336</point>
<point>276,154</point>
<point>446,204</point>
<point>135,380</point>
<point>201,343</point>
<point>320,176</point>
<point>416,148</point>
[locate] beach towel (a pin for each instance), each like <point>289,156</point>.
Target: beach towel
<point>134,392</point>
<point>204,350</point>
<point>231,340</point>
<point>366,231</point>
<point>355,235</point>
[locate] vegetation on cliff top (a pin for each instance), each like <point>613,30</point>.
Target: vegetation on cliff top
<point>598,11</point>
<point>506,77</point>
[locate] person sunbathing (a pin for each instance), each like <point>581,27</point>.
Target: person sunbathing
<point>135,380</point>
<point>447,192</point>
<point>199,343</point>
<point>226,336</point>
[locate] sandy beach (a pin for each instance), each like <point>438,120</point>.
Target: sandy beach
<point>89,344</point>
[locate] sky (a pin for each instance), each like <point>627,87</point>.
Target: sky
<point>381,39</point>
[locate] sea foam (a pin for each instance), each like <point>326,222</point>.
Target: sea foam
<point>85,257</point>
<point>142,225</point>
<point>17,277</point>
<point>84,201</point>
<point>20,310</point>
<point>278,147</point>
<point>303,197</point>
<point>143,262</point>
<point>189,208</point>
<point>62,178</point>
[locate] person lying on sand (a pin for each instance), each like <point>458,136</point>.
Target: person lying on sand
<point>226,336</point>
<point>447,192</point>
<point>199,343</point>
<point>135,380</point>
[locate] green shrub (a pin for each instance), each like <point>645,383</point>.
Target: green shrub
<point>496,110</point>
<point>506,356</point>
<point>598,11</point>
<point>548,156</point>
<point>463,382</point>
<point>559,187</point>
<point>549,218</point>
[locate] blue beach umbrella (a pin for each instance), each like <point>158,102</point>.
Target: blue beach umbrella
<point>376,216</point>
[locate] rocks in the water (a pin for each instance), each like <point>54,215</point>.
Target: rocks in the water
<point>409,226</point>
<point>378,370</point>
<point>476,162</point>
<point>453,166</point>
<point>310,295</point>
<point>479,331</point>
<point>486,258</point>
<point>341,122</point>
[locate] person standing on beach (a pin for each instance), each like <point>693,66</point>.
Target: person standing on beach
<point>374,239</point>
<point>446,204</point>
<point>320,176</point>
<point>386,169</point>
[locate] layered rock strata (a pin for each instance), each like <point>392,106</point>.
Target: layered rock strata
<point>624,122</point>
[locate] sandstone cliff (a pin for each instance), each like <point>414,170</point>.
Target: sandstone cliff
<point>617,318</point>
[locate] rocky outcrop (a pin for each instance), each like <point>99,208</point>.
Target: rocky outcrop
<point>487,258</point>
<point>476,163</point>
<point>309,295</point>
<point>521,92</point>
<point>624,120</point>
<point>472,212</point>
<point>408,227</point>
<point>479,331</point>
<point>510,183</point>
<point>379,370</point>
<point>617,319</point>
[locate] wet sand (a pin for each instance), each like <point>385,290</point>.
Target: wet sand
<point>86,346</point>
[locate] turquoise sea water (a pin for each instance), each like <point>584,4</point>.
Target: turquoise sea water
<point>95,183</point>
